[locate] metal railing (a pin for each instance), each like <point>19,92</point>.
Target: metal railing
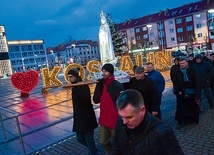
<point>18,125</point>
<point>16,117</point>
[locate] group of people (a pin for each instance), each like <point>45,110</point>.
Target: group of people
<point>130,115</point>
<point>190,77</point>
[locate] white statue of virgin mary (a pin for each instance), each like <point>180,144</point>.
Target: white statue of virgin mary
<point>105,42</point>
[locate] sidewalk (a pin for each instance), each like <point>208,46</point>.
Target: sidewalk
<point>194,139</point>
<point>46,123</point>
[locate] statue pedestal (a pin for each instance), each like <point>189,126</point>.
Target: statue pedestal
<point>119,75</point>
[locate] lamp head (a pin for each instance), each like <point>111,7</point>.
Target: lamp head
<point>211,11</point>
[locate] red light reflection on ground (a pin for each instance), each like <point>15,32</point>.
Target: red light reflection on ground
<point>33,113</point>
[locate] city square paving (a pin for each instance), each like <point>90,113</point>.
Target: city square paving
<point>46,123</point>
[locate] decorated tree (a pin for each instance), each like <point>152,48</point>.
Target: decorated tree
<point>116,39</point>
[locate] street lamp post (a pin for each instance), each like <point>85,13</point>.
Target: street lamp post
<point>23,65</point>
<point>70,51</point>
<point>211,11</point>
<point>59,59</point>
<point>35,61</point>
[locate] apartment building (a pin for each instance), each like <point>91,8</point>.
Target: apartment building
<point>5,67</point>
<point>79,52</point>
<point>27,54</point>
<point>189,27</point>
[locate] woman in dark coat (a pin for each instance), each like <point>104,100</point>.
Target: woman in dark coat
<point>186,84</point>
<point>84,115</point>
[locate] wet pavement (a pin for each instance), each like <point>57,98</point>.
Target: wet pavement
<point>195,139</point>
<point>42,118</point>
<point>46,123</point>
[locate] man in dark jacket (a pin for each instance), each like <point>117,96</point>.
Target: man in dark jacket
<point>174,69</point>
<point>191,60</point>
<point>204,57</point>
<point>84,116</point>
<point>159,80</point>
<point>138,132</point>
<point>106,93</point>
<point>212,75</point>
<point>204,71</point>
<point>148,90</point>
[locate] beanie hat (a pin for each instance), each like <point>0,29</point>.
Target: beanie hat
<point>139,69</point>
<point>191,55</point>
<point>109,67</point>
<point>198,56</point>
<point>203,53</point>
<point>74,72</point>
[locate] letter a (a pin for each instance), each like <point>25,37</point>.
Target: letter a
<point>126,64</point>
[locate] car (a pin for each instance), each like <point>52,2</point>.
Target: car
<point>177,54</point>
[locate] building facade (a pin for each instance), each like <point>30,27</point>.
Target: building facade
<point>79,52</point>
<point>27,54</point>
<point>189,27</point>
<point>5,66</point>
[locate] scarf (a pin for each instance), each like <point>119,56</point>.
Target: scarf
<point>184,72</point>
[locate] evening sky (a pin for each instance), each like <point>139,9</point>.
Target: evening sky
<point>58,21</point>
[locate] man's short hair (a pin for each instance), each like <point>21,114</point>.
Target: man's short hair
<point>149,63</point>
<point>183,59</point>
<point>176,59</point>
<point>131,97</point>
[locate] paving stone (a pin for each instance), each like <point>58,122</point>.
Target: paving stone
<point>190,138</point>
<point>194,139</point>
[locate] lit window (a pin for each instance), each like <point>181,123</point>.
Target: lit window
<point>172,39</point>
<point>170,22</point>
<point>152,34</point>
<point>199,35</point>
<point>171,30</point>
<point>160,26</point>
<point>188,19</point>
<point>178,21</point>
<point>198,26</point>
<point>138,38</point>
<point>179,30</point>
<point>212,34</point>
<point>137,30</point>
<point>180,38</point>
<point>189,28</point>
<point>198,16</point>
<point>145,36</point>
<point>144,28</point>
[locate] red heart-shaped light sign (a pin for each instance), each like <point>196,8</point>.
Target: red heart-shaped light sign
<point>25,82</point>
